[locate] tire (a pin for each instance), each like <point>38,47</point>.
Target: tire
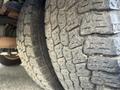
<point>9,62</point>
<point>84,43</point>
<point>32,45</point>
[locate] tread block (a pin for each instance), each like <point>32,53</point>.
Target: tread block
<point>26,29</point>
<point>76,81</point>
<point>85,83</point>
<point>55,36</point>
<point>65,74</point>
<point>27,19</point>
<point>67,53</point>
<point>58,50</point>
<point>100,63</point>
<point>84,6</point>
<point>62,63</point>
<point>72,19</point>
<point>102,78</point>
<point>70,84</point>
<point>53,19</point>
<point>100,23</point>
<point>81,70</point>
<point>62,18</point>
<point>64,37</point>
<point>106,4</point>
<point>61,4</point>
<point>70,67</point>
<point>53,5</point>
<point>28,41</point>
<point>78,55</point>
<point>87,5</point>
<point>102,45</point>
<point>75,39</point>
<point>30,52</point>
<point>57,69</point>
<point>23,49</point>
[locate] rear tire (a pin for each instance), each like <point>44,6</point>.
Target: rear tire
<point>84,43</point>
<point>32,45</point>
<point>9,62</point>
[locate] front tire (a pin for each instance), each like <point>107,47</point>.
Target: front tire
<point>84,43</point>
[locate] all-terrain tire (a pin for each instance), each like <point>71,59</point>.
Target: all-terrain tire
<point>83,38</point>
<point>32,45</point>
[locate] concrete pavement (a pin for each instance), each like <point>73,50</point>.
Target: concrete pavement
<point>15,78</point>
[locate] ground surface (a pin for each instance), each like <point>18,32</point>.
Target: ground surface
<point>15,78</point>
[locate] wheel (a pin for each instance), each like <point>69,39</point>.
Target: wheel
<point>10,60</point>
<point>7,30</point>
<point>32,45</point>
<point>84,43</point>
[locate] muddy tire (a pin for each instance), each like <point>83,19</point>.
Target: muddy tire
<point>9,62</point>
<point>84,43</point>
<point>32,45</point>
